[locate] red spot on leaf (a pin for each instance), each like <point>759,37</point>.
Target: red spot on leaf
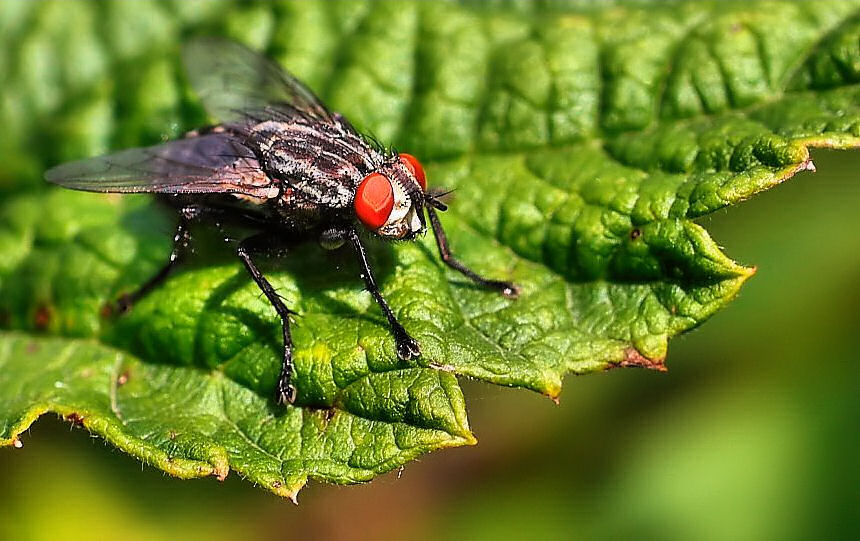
<point>43,316</point>
<point>75,418</point>
<point>107,310</point>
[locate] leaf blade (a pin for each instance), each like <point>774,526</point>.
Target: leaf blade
<point>583,144</point>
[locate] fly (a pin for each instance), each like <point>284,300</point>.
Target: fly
<point>283,165</point>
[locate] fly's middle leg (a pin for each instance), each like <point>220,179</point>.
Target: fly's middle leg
<point>285,392</point>
<point>407,347</point>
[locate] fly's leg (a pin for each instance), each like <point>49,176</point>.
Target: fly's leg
<point>285,393</point>
<point>181,243</point>
<point>507,289</point>
<point>407,347</point>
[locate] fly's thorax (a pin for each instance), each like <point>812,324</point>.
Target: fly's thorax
<point>318,162</point>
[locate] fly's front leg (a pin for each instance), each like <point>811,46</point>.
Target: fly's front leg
<point>507,289</point>
<point>285,393</point>
<point>407,347</point>
<point>181,243</point>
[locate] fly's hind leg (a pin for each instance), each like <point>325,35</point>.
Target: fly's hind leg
<point>285,393</point>
<point>181,244</point>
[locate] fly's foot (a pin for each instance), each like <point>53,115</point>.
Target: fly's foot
<point>508,289</point>
<point>116,308</point>
<point>407,347</point>
<point>123,304</point>
<point>285,393</point>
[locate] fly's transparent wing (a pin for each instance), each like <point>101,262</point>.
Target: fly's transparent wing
<point>236,83</point>
<point>215,163</point>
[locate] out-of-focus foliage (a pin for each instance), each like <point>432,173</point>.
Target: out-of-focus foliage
<point>581,145</point>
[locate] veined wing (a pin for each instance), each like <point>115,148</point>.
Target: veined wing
<point>235,83</point>
<point>215,163</point>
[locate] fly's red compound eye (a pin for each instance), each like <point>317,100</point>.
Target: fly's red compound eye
<point>414,166</point>
<point>374,200</point>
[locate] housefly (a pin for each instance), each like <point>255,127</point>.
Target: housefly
<point>279,163</point>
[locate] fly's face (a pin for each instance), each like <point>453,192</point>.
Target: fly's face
<point>390,200</point>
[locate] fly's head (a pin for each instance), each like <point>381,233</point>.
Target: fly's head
<point>390,201</point>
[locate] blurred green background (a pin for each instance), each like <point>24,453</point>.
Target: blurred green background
<point>752,434</point>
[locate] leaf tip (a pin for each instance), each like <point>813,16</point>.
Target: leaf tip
<point>289,492</point>
<point>553,389</point>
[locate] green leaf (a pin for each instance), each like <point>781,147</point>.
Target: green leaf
<point>582,142</point>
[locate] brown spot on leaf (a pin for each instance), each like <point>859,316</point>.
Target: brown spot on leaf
<point>276,484</point>
<point>107,310</point>
<point>635,233</point>
<point>324,413</point>
<point>75,418</point>
<point>122,379</point>
<point>632,357</point>
<point>172,434</point>
<point>43,316</point>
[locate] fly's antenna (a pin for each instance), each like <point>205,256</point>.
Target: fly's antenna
<point>434,198</point>
<point>431,199</point>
